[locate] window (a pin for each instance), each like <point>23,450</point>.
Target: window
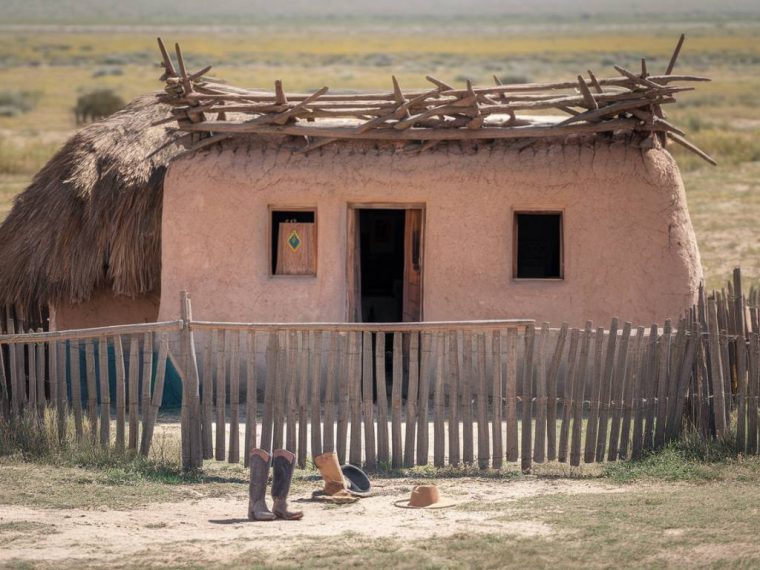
<point>294,242</point>
<point>538,245</point>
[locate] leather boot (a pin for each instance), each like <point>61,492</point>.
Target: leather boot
<point>257,489</point>
<point>329,468</point>
<point>283,464</point>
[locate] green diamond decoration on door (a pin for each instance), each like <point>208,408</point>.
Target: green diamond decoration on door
<point>294,241</point>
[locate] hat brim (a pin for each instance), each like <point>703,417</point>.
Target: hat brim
<point>357,482</point>
<point>441,504</point>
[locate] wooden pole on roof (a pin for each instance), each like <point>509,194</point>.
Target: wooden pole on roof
<point>168,66</point>
<point>674,57</point>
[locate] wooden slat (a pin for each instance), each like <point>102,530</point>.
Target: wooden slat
<point>305,357</point>
<point>453,387</point>
<point>41,379</point>
<point>316,388</point>
<point>105,393</point>
<point>716,369</point>
<point>330,403</point>
<point>368,409</point>
<point>497,398</point>
<point>134,375</point>
<point>121,391</point>
<point>741,393</point>
<point>13,368</point>
<point>466,378</point>
<point>269,392</point>
<point>606,378</point>
<point>411,400</point>
<point>52,360</point>
<point>92,390</point>
<point>639,393</point>
<point>344,397</point>
<point>76,386</point>
<point>426,367</point>
<point>234,448</point>
<point>683,375</point>
<point>439,426</point>
<point>579,388</point>
<point>551,394</point>
<point>396,403</point>
<point>383,449</point>
<point>526,454</point>
<point>295,348</point>
<point>280,390</point>
<point>650,388</point>
<point>147,374</point>
<point>511,390</point>
<point>539,443</point>
<point>482,403</point>
<point>32,377</point>
<point>251,398</point>
<point>676,353</point>
<point>157,396</point>
<point>207,398</point>
<point>5,389</point>
<point>663,385</point>
<point>355,388</point>
<point>631,378</point>
<point>592,426</point>
<point>754,392</point>
<point>617,391</point>
<point>62,408</point>
<point>570,378</point>
<point>220,449</point>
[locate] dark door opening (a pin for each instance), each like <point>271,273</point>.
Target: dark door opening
<point>381,264</point>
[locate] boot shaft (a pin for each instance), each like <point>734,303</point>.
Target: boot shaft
<point>283,465</point>
<point>259,470</point>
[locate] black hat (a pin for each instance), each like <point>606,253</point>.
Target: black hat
<point>357,481</point>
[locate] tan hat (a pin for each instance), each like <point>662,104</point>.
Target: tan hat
<point>425,497</point>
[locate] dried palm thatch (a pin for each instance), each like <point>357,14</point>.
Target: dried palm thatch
<point>91,218</point>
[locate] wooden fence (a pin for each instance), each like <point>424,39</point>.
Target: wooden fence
<point>404,394</point>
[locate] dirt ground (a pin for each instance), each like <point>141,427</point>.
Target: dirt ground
<point>215,529</point>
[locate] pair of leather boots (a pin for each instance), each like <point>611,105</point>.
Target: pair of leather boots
<point>283,465</point>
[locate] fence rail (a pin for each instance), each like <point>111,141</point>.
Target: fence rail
<point>403,394</point>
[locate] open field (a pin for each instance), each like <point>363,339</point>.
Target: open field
<point>51,68</point>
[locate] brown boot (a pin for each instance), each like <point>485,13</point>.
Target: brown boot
<point>283,464</point>
<point>257,489</point>
<point>329,468</point>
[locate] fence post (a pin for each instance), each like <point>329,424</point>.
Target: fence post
<point>192,452</point>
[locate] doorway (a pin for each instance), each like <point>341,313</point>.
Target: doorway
<point>385,264</point>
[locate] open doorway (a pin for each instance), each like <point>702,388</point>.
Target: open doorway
<point>381,259</point>
<point>385,264</point>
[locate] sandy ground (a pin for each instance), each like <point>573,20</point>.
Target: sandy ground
<point>215,529</point>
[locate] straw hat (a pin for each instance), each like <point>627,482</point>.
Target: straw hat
<point>425,497</point>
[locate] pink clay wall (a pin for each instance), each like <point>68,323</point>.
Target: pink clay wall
<point>629,247</point>
<point>104,309</point>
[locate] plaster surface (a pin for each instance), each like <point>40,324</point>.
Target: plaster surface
<point>629,246</point>
<point>105,309</point>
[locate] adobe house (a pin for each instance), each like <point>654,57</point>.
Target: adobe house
<point>437,204</point>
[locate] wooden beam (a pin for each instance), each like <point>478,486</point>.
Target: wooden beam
<point>692,147</point>
<point>674,57</point>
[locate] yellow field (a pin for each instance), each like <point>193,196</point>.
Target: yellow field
<point>722,117</point>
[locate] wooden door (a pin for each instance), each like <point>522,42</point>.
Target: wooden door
<point>353,268</point>
<point>412,302</point>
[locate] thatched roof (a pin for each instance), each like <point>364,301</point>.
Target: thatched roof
<point>91,218</point>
